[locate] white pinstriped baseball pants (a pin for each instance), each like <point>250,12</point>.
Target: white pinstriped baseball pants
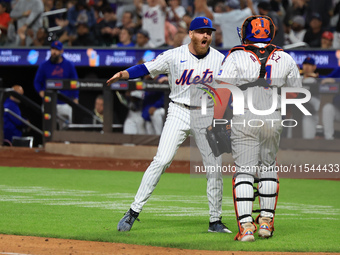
<point>180,122</point>
<point>250,146</point>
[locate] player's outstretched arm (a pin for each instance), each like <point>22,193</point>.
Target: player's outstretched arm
<point>122,75</point>
<point>130,73</point>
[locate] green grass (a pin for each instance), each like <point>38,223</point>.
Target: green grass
<point>86,205</point>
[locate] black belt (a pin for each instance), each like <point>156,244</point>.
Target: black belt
<point>187,106</point>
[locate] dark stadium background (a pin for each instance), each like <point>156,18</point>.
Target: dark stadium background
<point>24,76</point>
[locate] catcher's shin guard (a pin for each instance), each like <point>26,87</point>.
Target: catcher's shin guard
<point>268,188</point>
<point>243,195</point>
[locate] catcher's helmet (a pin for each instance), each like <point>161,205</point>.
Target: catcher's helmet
<point>258,28</point>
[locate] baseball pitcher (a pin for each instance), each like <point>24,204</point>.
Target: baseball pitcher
<point>193,64</point>
<point>258,69</point>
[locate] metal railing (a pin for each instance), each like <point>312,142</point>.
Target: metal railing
<point>106,136</point>
<point>27,123</point>
<point>54,12</point>
<point>4,93</point>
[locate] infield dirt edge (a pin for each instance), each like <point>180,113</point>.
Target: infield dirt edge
<point>28,245</point>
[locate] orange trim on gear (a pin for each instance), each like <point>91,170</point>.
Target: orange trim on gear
<point>239,236</point>
<point>240,228</point>
<point>249,51</point>
<point>236,212</point>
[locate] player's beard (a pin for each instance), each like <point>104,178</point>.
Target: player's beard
<point>201,46</point>
<point>54,59</point>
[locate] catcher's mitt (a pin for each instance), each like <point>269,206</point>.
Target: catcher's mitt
<point>219,138</point>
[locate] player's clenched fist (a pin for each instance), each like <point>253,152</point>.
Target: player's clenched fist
<point>118,76</point>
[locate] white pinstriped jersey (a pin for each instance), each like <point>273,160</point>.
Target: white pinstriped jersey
<point>185,71</point>
<point>241,67</point>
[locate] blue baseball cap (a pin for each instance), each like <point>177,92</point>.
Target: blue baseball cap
<point>309,60</point>
<point>57,45</point>
<point>316,15</point>
<point>201,22</point>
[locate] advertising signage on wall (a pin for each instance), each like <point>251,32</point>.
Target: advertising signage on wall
<point>80,57</point>
<point>114,57</point>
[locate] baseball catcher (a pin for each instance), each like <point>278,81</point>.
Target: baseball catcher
<point>251,67</point>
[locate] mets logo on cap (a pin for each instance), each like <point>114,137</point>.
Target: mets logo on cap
<point>57,45</point>
<point>200,23</point>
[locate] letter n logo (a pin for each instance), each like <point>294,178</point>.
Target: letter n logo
<point>205,21</point>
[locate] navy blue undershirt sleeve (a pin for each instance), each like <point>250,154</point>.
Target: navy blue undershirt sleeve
<point>137,71</point>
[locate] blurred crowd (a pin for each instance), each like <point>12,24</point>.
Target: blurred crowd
<point>162,23</point>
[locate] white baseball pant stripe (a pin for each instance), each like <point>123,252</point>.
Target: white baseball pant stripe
<point>252,145</point>
<point>175,131</point>
<point>214,179</point>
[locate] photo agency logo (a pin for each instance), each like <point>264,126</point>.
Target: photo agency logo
<point>209,93</point>
<point>239,102</point>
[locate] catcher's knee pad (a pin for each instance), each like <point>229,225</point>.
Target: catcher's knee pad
<point>243,196</point>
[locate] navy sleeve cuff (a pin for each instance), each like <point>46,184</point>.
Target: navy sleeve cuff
<point>137,71</point>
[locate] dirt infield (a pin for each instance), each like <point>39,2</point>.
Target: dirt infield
<point>39,158</point>
<point>24,245</point>
<point>27,245</point>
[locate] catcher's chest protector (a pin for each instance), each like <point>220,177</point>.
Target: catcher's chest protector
<point>262,54</point>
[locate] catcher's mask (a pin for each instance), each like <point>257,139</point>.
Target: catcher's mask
<point>258,28</point>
